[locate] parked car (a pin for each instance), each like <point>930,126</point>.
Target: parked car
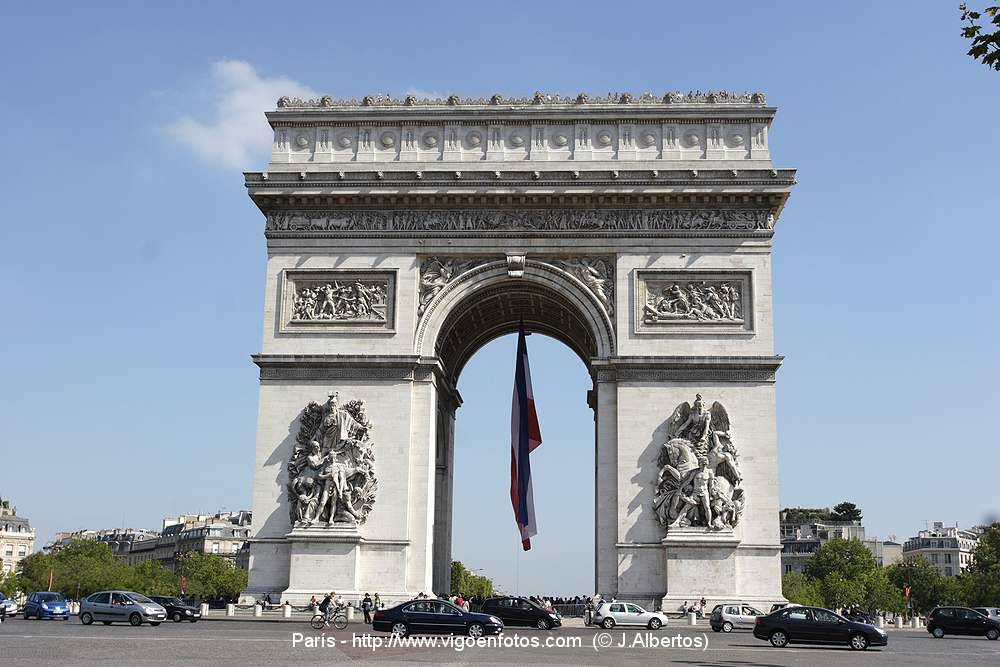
<point>45,604</point>
<point>782,605</point>
<point>425,617</point>
<point>177,610</point>
<point>610,614</point>
<point>731,615</point>
<point>8,604</point>
<point>992,612</point>
<point>815,625</point>
<point>521,611</point>
<point>962,621</point>
<point>121,607</point>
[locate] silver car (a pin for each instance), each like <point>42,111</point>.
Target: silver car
<point>992,612</point>
<point>729,616</point>
<point>121,607</point>
<point>610,614</point>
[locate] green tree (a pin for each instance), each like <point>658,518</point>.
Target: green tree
<point>10,585</point>
<point>979,585</point>
<point>800,589</point>
<point>881,594</point>
<point>985,45</point>
<point>839,592</point>
<point>469,584</point>
<point>804,515</point>
<point>848,559</point>
<point>210,575</point>
<point>846,511</point>
<point>151,578</point>
<point>929,586</point>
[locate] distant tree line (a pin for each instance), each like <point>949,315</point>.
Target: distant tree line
<point>85,566</point>
<point>469,584</point>
<point>843,573</point>
<point>845,511</point>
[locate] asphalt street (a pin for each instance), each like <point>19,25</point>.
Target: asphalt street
<point>257,642</point>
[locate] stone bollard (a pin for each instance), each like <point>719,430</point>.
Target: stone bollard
<point>230,609</point>
<point>692,618</point>
<point>880,621</point>
<point>899,622</point>
<point>286,611</point>
<point>258,610</point>
<point>204,609</point>
<point>350,614</point>
<point>914,623</point>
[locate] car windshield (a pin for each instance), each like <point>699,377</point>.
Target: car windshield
<point>50,597</point>
<point>142,599</point>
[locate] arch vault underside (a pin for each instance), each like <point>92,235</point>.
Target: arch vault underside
<point>404,235</point>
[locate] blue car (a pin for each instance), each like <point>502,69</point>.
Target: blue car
<point>46,605</point>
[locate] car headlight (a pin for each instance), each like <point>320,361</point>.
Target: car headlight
<point>496,620</point>
<point>554,616</point>
<point>45,606</point>
<point>187,611</point>
<point>151,610</point>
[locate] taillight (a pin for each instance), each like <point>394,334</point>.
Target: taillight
<point>756,620</point>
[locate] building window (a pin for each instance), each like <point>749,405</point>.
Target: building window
<point>947,558</point>
<point>947,571</point>
<point>934,558</point>
<point>22,550</point>
<point>235,547</point>
<point>8,550</point>
<point>215,547</point>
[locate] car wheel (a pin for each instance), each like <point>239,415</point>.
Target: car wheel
<point>654,624</point>
<point>608,623</point>
<point>859,642</point>
<point>86,618</point>
<point>154,623</point>
<point>176,617</point>
<point>543,624</point>
<point>727,627</point>
<point>399,629</point>
<point>938,633</point>
<point>135,620</point>
<point>779,639</point>
<point>476,630</point>
<point>992,634</point>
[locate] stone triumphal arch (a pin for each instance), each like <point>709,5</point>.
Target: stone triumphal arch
<point>403,235</point>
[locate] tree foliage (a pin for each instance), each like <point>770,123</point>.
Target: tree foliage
<point>151,578</point>
<point>210,575</point>
<point>980,585</point>
<point>846,511</point>
<point>985,45</point>
<point>929,587</point>
<point>804,515</point>
<point>800,589</point>
<point>847,559</point>
<point>468,584</point>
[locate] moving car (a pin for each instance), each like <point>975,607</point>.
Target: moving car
<point>815,625</point>
<point>962,621</point>
<point>521,611</point>
<point>731,615</point>
<point>177,610</point>
<point>610,614</point>
<point>8,604</point>
<point>45,604</point>
<point>121,607</point>
<point>427,617</point>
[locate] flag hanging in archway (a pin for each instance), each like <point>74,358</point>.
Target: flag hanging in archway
<point>525,436</point>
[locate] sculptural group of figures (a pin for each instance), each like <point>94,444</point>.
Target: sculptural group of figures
<point>699,478</point>
<point>697,301</point>
<point>331,471</point>
<point>341,301</point>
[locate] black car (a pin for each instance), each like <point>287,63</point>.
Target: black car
<point>815,625</point>
<point>521,611</point>
<point>177,610</point>
<point>427,617</point>
<point>962,621</point>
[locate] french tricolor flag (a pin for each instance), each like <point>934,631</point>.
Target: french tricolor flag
<point>524,437</point>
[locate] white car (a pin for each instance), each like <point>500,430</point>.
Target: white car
<point>610,614</point>
<point>9,604</point>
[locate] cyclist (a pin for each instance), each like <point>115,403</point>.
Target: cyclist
<point>326,607</point>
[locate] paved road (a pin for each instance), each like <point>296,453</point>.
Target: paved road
<point>255,642</point>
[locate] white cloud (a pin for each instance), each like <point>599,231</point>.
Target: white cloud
<point>237,135</point>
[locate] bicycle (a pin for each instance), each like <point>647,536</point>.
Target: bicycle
<point>319,620</point>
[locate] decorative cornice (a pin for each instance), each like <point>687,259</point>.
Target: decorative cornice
<point>670,222</point>
<point>667,369</point>
<point>345,367</point>
<point>538,99</point>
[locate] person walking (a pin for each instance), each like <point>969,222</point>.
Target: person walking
<point>366,607</point>
<point>378,602</point>
<point>588,612</point>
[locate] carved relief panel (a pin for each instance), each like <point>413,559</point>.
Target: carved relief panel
<point>693,302</point>
<point>331,300</point>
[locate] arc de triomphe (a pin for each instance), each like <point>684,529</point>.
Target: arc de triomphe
<point>402,235</point>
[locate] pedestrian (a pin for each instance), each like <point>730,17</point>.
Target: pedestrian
<point>312,603</point>
<point>366,607</point>
<point>377,601</point>
<point>267,601</point>
<point>465,605</point>
<point>457,600</point>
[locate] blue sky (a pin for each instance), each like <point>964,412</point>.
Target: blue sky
<point>133,264</point>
